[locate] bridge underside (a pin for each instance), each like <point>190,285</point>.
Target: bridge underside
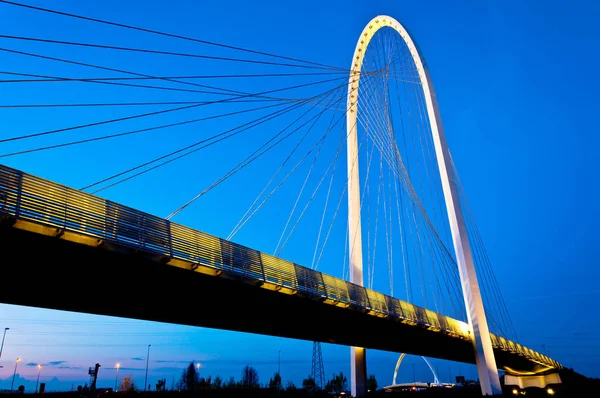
<point>126,283</point>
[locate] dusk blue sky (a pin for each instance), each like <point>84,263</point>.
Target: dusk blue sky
<point>517,88</point>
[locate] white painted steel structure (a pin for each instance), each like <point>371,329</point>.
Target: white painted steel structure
<point>486,364</point>
<point>436,380</point>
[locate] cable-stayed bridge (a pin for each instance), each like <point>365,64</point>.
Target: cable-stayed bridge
<point>429,288</point>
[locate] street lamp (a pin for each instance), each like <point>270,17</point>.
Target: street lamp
<point>117,376</point>
<point>3,336</point>
<point>198,367</point>
<point>14,374</point>
<point>38,378</point>
<point>147,359</point>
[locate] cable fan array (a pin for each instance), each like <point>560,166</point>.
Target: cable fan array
<point>270,126</point>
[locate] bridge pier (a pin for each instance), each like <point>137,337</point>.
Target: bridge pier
<point>358,371</point>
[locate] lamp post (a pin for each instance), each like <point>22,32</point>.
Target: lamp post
<point>37,383</point>
<point>14,374</point>
<point>117,376</point>
<point>3,336</point>
<point>198,367</point>
<point>146,379</point>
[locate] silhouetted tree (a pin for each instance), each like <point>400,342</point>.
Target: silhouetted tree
<point>161,385</point>
<point>290,386</point>
<point>371,383</point>
<point>127,384</point>
<point>275,381</point>
<point>250,377</point>
<point>190,379</point>
<point>338,384</point>
<point>230,383</point>
<point>309,384</point>
<point>21,389</point>
<point>217,382</point>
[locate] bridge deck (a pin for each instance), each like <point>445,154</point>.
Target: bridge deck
<point>36,205</point>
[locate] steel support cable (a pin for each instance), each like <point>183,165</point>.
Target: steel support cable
<point>390,162</point>
<point>443,219</point>
<point>377,202</point>
<point>341,196</point>
<point>360,199</point>
<point>131,132</point>
<point>226,91</point>
<point>391,139</point>
<point>366,125</point>
<point>382,145</point>
<point>278,250</point>
<point>247,161</point>
<point>496,294</point>
<point>335,216</point>
<point>159,52</point>
<point>312,264</point>
<point>401,209</point>
<point>329,127</point>
<point>49,132</point>
<point>401,223</point>
<point>47,57</point>
<point>421,131</point>
<point>420,264</point>
<point>233,76</point>
<point>388,212</point>
<point>236,229</point>
<point>416,201</point>
<point>243,219</point>
<point>176,36</point>
<point>106,104</point>
<point>405,181</point>
<point>500,297</point>
<point>192,148</point>
<point>336,212</point>
<point>226,134</point>
<point>441,241</point>
<point>490,302</point>
<point>333,163</point>
<point>114,83</point>
<point>261,98</point>
<point>398,211</point>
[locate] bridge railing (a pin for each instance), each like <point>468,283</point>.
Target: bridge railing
<point>30,198</point>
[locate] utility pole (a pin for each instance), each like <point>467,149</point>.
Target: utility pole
<point>146,379</point>
<point>3,336</point>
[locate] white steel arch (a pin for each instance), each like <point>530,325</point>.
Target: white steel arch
<point>486,364</point>
<point>436,380</point>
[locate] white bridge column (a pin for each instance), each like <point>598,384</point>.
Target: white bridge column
<point>358,355</point>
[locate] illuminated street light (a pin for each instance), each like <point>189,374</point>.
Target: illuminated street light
<point>38,378</point>
<point>550,391</point>
<point>117,376</point>
<point>14,374</point>
<point>198,367</point>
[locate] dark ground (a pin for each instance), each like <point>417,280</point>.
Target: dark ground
<point>574,385</point>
